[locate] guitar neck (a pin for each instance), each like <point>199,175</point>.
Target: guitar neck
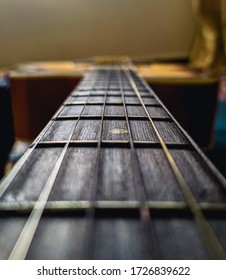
<point>113,175</point>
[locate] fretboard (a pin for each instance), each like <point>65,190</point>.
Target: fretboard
<point>113,176</point>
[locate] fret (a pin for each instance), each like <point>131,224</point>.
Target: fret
<point>65,206</point>
<point>113,163</point>
<point>112,117</point>
<point>153,103</point>
<point>114,143</point>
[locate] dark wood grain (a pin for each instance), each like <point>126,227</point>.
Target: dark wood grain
<point>71,110</point>
<point>219,226</point>
<point>59,131</point>
<point>10,228</point>
<point>87,130</point>
<point>93,110</point>
<point>67,232</point>
<point>74,180</point>
<point>116,179</point>
<point>170,132</point>
<point>136,111</point>
<point>113,240</point>
<point>114,110</point>
<point>201,180</point>
<point>94,98</point>
<point>32,176</point>
<point>160,182</point>
<point>157,112</point>
<point>179,239</point>
<point>143,131</point>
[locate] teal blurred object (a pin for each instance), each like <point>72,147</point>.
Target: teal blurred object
<point>220,130</point>
<point>218,154</point>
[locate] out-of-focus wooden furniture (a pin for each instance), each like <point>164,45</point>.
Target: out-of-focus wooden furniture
<point>38,89</point>
<point>190,97</point>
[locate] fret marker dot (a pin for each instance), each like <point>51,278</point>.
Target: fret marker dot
<point>119,131</point>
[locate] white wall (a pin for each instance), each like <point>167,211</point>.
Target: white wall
<point>67,29</point>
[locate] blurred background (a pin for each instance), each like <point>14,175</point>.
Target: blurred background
<point>178,46</point>
<point>56,30</point>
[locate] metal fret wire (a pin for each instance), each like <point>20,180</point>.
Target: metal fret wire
<point>115,143</point>
<point>73,205</point>
<point>210,240</point>
<point>23,243</point>
<point>84,117</point>
<point>89,238</point>
<point>139,181</point>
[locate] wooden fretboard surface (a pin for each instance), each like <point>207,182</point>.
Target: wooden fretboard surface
<point>113,176</point>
